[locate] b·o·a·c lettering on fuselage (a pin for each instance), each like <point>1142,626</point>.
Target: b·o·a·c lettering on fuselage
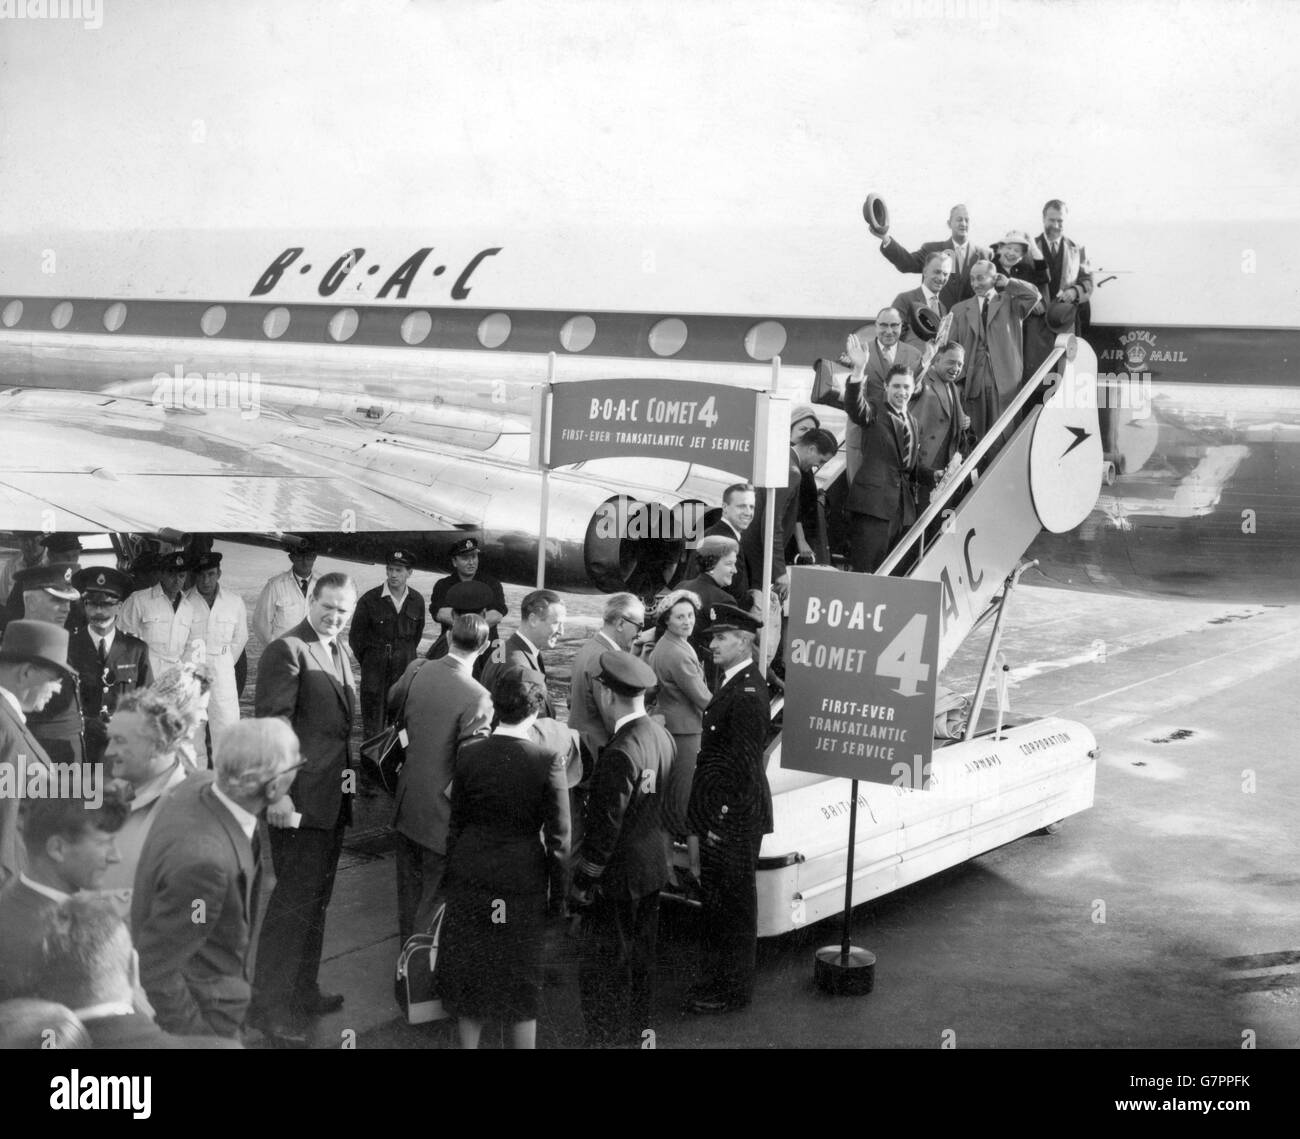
<point>397,281</point>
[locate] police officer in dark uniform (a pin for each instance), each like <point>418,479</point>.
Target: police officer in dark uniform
<point>465,556</point>
<point>731,810</point>
<point>109,661</point>
<point>385,636</point>
<point>60,549</point>
<point>47,595</point>
<point>620,866</point>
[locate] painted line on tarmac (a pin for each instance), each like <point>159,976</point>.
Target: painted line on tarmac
<point>1213,686</point>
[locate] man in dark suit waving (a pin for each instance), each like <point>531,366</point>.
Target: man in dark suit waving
<point>304,677</point>
<point>621,866</point>
<point>882,498</point>
<point>730,809</point>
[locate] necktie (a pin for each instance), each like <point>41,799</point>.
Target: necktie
<point>257,848</point>
<point>176,602</point>
<point>907,437</point>
<point>302,584</point>
<point>1055,247</point>
<point>984,311</point>
<point>338,663</point>
<point>103,654</point>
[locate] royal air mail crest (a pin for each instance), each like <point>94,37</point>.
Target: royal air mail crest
<point>1136,345</point>
<point>1139,351</point>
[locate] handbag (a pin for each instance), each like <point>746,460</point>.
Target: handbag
<point>383,754</point>
<point>416,984</point>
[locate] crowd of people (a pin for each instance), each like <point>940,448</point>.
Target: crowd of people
<point>131,908</point>
<point>504,817</point>
<point>920,390</point>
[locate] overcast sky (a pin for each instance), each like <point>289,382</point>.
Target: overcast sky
<point>737,135</point>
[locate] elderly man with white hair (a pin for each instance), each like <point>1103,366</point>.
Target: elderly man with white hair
<point>197,884</point>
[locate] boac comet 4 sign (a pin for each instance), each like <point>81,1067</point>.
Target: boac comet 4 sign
<point>861,675</point>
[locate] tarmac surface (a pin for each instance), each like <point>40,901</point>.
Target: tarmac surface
<point>1164,917</point>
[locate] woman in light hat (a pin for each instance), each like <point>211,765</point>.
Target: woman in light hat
<point>1017,256</point>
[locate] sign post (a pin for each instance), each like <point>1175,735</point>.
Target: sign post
<point>739,430</point>
<point>542,437</point>
<point>860,682</point>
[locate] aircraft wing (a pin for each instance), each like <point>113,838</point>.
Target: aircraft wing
<point>90,461</point>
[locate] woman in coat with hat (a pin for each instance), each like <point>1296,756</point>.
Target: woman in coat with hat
<point>1019,257</point>
<point>681,699</point>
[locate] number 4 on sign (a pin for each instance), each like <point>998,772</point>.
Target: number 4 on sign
<point>901,658</point>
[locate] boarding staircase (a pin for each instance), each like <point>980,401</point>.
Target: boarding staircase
<point>1039,467</point>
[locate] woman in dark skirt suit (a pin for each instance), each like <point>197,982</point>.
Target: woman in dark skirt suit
<point>507,845</point>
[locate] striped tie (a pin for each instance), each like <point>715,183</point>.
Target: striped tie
<point>907,437</point>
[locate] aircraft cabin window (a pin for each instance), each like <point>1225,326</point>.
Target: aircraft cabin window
<point>578,333</point>
<point>276,323</point>
<point>114,316</point>
<point>213,320</point>
<point>343,324</point>
<point>668,337</point>
<point>494,330</point>
<point>765,340</point>
<point>13,313</point>
<point>61,317</point>
<point>416,327</point>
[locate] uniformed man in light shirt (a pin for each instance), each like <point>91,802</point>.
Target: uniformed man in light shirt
<point>226,634</point>
<point>283,601</point>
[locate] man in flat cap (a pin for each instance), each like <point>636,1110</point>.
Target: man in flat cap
<point>47,595</point>
<point>282,604</point>
<point>385,636</point>
<point>465,558</point>
<point>225,623</point>
<point>33,664</point>
<point>109,662</point>
<point>730,809</point>
<point>619,867</point>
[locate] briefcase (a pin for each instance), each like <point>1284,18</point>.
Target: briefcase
<point>416,983</point>
<point>382,756</point>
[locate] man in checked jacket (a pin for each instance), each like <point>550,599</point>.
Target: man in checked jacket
<point>621,864</point>
<point>731,810</point>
